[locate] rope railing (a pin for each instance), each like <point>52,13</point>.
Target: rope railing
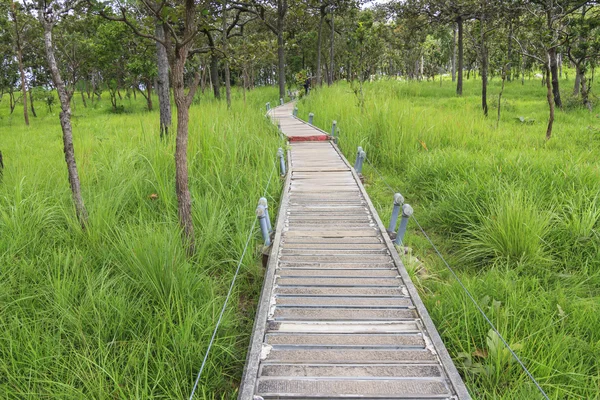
<point>462,285</point>
<point>231,286</point>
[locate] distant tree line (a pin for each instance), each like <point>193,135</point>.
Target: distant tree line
<point>85,49</point>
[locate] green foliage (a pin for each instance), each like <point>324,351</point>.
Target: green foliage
<point>517,217</point>
<point>117,311</point>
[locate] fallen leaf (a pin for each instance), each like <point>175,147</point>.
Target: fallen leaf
<point>482,353</point>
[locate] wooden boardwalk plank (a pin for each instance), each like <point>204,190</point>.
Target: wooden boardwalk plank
<point>338,315</point>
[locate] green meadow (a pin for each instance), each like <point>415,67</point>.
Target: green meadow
<point>117,310</point>
<point>516,216</point>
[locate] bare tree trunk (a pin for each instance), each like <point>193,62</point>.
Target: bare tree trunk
<point>585,91</point>
<point>149,95</point>
<point>281,62</point>
<point>83,98</point>
<point>578,75</point>
<point>550,99</point>
<point>183,102</point>
<point>554,73</point>
<point>454,52</point>
<point>214,75</point>
<point>484,69</point>
<point>226,60</point>
<point>20,60</point>
<point>162,87</point>
<point>509,53</point>
<point>65,122</point>
<point>459,84</point>
<point>31,102</point>
<point>504,76</point>
<point>319,48</point>
<point>331,53</point>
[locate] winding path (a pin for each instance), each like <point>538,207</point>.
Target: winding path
<point>338,315</point>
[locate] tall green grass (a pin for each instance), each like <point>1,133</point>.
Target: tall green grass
<point>516,216</point>
<point>118,311</point>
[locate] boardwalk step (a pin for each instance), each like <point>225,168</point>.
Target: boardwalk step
<point>335,356</point>
<point>344,327</point>
<point>336,340</point>
<point>341,281</point>
<point>341,291</point>
<point>339,302</point>
<point>342,314</point>
<point>341,388</point>
<point>393,371</point>
<point>339,272</point>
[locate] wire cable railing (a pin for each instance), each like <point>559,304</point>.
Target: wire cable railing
<point>231,286</point>
<point>462,285</point>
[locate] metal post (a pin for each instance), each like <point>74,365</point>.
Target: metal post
<point>263,202</point>
<point>295,112</point>
<point>333,128</point>
<point>398,201</point>
<point>357,156</point>
<point>310,118</point>
<point>281,161</point>
<point>407,211</point>
<point>360,158</point>
<point>268,105</point>
<point>262,219</point>
<point>280,101</point>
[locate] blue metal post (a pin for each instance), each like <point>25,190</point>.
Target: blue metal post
<point>263,202</point>
<point>262,220</point>
<point>360,158</point>
<point>268,105</point>
<point>398,201</point>
<point>310,118</point>
<point>281,161</point>
<point>407,211</point>
<point>295,112</point>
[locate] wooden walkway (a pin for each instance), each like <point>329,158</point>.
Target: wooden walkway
<point>338,315</point>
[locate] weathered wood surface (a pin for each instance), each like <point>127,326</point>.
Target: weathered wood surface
<point>338,315</point>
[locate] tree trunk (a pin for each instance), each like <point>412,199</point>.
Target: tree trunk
<point>162,87</point>
<point>550,99</point>
<point>214,75</point>
<point>578,75</point>
<point>585,91</point>
<point>319,48</point>
<point>554,73</point>
<point>459,84</point>
<point>484,69</point>
<point>504,76</point>
<point>184,199</point>
<point>281,62</point>
<point>20,60</point>
<point>11,100</point>
<point>149,95</point>
<point>31,103</point>
<point>65,123</point>
<point>454,53</point>
<point>509,53</point>
<point>83,98</point>
<point>331,53</point>
<point>226,60</point>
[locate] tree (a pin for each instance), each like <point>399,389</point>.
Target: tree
<point>583,47</point>
<point>272,13</point>
<point>181,22</point>
<point>14,13</point>
<point>49,13</point>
